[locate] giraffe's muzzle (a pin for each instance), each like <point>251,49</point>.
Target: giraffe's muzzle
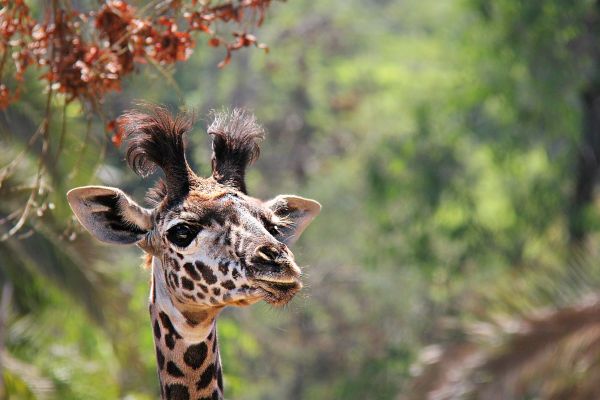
<point>275,273</point>
<point>278,293</point>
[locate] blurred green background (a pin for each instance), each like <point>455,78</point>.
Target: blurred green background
<point>454,147</point>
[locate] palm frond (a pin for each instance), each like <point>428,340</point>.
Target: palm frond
<point>29,375</point>
<point>553,354</point>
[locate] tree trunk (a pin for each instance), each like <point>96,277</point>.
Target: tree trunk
<point>588,165</point>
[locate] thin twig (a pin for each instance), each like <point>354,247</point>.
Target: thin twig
<point>20,188</point>
<point>62,131</point>
<point>9,217</point>
<point>8,168</point>
<point>40,172</point>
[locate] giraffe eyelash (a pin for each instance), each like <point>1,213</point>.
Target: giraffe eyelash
<point>276,227</point>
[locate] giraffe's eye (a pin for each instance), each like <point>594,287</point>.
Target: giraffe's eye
<point>181,235</point>
<point>272,229</point>
<point>270,226</point>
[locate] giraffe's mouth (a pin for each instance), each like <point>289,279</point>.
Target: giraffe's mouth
<point>278,293</point>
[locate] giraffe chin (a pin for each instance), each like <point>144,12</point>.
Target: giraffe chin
<point>278,294</point>
<point>245,297</point>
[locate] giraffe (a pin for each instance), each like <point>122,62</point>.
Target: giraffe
<point>208,243</point>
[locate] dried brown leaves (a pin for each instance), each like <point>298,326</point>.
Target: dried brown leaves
<point>85,55</point>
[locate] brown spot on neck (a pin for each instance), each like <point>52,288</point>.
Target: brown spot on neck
<point>197,317</point>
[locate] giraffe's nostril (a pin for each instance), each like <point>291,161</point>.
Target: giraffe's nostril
<point>268,253</point>
<point>273,263</point>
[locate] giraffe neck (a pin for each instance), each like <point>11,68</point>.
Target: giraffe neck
<point>187,351</point>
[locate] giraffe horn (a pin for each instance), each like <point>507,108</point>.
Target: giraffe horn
<point>235,137</point>
<point>155,139</point>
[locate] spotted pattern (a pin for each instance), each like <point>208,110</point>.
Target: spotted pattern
<point>212,273</point>
<point>186,283</point>
<point>206,378</point>
<point>171,334</point>
<point>187,370</point>
<point>177,391</point>
<point>199,282</point>
<point>173,369</point>
<point>157,333</point>
<point>228,284</point>
<point>160,359</point>
<point>207,274</point>
<point>191,271</point>
<point>195,354</point>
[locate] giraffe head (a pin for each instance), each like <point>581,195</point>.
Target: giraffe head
<point>212,244</point>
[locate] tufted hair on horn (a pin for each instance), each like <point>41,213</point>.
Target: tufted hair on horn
<point>235,137</point>
<point>155,139</point>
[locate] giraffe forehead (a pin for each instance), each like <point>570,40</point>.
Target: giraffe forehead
<point>196,211</point>
<point>203,208</point>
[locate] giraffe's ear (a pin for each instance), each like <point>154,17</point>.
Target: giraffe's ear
<point>297,212</point>
<point>109,214</point>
